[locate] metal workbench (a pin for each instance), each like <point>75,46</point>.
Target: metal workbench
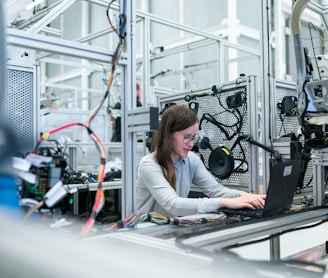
<point>236,233</point>
<point>214,237</point>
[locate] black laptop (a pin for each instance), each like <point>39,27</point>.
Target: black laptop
<point>284,178</point>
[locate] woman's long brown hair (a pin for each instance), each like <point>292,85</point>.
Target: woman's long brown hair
<point>174,118</point>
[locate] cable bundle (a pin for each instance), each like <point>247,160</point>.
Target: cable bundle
<point>97,207</point>
<point>187,220</point>
<point>130,221</point>
<point>159,219</point>
<point>100,198</point>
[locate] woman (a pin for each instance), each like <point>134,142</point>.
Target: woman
<point>165,176</point>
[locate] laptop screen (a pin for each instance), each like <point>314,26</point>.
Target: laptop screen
<point>284,179</point>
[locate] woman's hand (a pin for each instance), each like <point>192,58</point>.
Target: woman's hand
<point>246,200</point>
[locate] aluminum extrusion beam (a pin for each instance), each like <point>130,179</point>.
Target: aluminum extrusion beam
<point>59,46</point>
<point>186,28</point>
<point>195,31</point>
<point>143,119</point>
<point>27,22</point>
<point>37,27</point>
<point>265,86</point>
<point>72,188</point>
<point>129,141</point>
<point>319,159</point>
<point>233,235</point>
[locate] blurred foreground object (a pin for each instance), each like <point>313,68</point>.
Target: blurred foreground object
<point>9,199</point>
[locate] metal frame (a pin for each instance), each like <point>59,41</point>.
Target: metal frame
<point>319,160</point>
<point>42,23</point>
<point>59,46</point>
<point>212,241</point>
<point>75,49</point>
<point>3,58</point>
<point>215,240</point>
<point>129,138</point>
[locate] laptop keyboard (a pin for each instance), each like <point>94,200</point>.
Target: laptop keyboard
<point>246,212</point>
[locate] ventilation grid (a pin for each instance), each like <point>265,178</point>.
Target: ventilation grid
<point>19,108</point>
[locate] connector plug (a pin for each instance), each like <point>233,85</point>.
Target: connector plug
<point>55,194</point>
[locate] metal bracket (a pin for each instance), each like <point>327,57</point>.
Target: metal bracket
<point>143,119</point>
<point>319,160</point>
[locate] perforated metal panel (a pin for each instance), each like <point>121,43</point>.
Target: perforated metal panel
<point>283,124</point>
<point>20,106</point>
<point>242,120</point>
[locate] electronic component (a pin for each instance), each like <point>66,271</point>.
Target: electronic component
<point>312,94</point>
<point>47,175</point>
<point>167,105</point>
<point>221,162</point>
<point>322,62</point>
<point>55,194</point>
<point>288,106</point>
<point>194,106</point>
<point>235,100</point>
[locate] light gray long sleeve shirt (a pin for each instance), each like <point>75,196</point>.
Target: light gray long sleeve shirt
<point>155,194</point>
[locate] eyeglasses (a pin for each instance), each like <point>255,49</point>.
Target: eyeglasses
<point>188,138</point>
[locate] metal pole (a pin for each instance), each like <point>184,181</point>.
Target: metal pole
<point>3,59</point>
<point>129,141</point>
<point>265,83</point>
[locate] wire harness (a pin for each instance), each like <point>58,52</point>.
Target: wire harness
<point>132,220</point>
<point>99,198</point>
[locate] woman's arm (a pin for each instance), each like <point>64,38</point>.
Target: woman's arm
<point>151,177</point>
<point>229,198</point>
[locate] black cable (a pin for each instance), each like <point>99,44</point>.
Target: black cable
<point>88,203</point>
<point>236,110</point>
<point>282,123</point>
<point>209,118</point>
<point>243,160</point>
<point>108,17</point>
<point>275,235</point>
<point>241,116</point>
<point>236,127</point>
<point>312,44</point>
